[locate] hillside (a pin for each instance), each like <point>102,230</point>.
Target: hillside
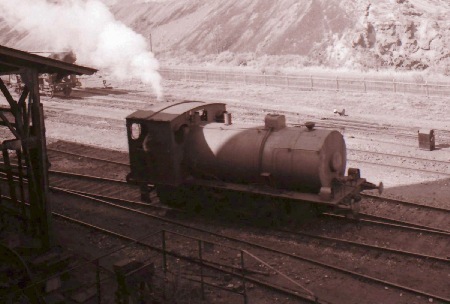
<point>405,34</point>
<point>401,34</point>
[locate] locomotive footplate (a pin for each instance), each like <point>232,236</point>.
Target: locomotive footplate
<point>345,196</point>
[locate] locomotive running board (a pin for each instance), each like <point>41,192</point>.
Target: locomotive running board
<point>336,201</point>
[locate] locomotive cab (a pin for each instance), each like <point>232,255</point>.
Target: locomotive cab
<point>157,139</point>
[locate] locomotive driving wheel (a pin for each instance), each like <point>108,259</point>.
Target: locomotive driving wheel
<point>67,90</point>
<point>170,196</point>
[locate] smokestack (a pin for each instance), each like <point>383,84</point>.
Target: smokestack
<point>68,57</point>
<point>90,31</point>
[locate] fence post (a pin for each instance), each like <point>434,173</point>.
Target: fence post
<point>200,256</point>
<point>97,276</point>
<point>243,278</point>
<point>394,85</point>
<point>312,82</point>
<point>163,236</point>
<point>337,83</point>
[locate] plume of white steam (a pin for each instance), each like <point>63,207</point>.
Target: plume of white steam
<point>89,29</point>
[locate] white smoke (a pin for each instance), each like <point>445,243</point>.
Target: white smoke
<point>89,29</point>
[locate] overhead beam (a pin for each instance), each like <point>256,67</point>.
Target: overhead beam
<point>41,64</point>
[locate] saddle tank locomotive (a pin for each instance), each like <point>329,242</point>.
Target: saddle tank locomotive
<point>179,145</point>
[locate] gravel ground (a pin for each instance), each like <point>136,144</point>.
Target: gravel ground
<point>95,116</point>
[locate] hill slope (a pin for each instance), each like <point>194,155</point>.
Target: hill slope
<point>404,34</point>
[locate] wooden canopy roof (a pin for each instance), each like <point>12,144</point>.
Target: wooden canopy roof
<point>13,61</point>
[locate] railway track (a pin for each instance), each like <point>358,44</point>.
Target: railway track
<point>407,203</point>
<point>97,186</point>
<point>65,180</point>
<point>439,167</point>
<point>128,194</point>
<point>219,267</point>
<point>298,257</point>
<point>334,240</point>
<point>406,213</point>
<point>407,133</point>
<point>245,274</point>
<point>96,158</point>
<point>309,260</point>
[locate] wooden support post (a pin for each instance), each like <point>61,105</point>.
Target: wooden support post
<point>41,212</point>
<point>22,190</point>
<point>9,174</point>
<point>163,238</point>
<point>98,282</point>
<point>200,256</point>
<point>243,278</point>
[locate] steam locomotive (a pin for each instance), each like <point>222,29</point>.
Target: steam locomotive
<point>179,146</point>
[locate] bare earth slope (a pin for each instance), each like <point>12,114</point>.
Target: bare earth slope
<point>405,34</point>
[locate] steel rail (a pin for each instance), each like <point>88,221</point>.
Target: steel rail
<point>363,245</point>
<point>100,196</point>
<point>118,200</point>
<point>387,221</point>
<point>391,225</point>
<point>174,254</point>
<point>294,256</point>
<point>400,222</point>
<point>398,167</point>
<point>366,195</point>
<point>71,174</point>
<point>217,267</point>
<point>85,176</point>
<point>406,225</point>
<point>89,157</point>
<point>403,202</point>
<point>397,155</point>
<point>341,124</point>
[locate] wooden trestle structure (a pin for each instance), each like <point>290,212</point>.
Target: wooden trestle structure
<point>27,181</point>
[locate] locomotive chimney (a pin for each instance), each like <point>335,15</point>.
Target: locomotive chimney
<point>310,125</point>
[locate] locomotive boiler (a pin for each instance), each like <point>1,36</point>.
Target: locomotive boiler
<point>180,145</point>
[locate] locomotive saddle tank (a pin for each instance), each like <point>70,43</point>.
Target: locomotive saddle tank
<point>188,143</point>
